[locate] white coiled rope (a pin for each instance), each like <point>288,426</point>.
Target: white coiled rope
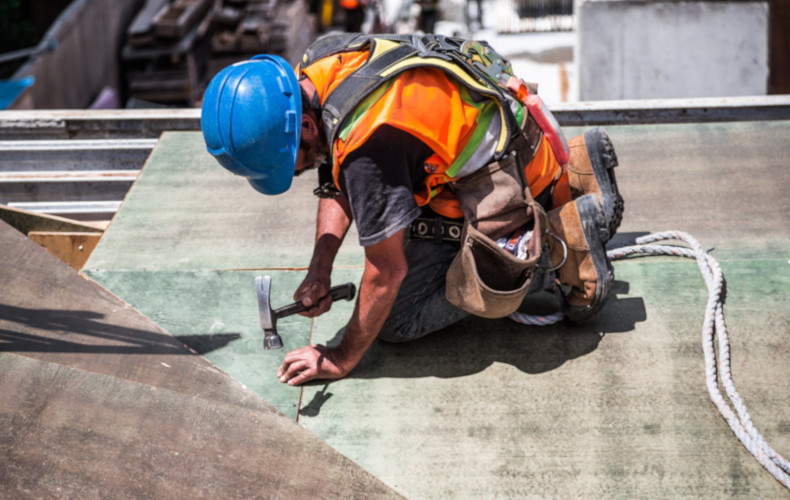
<point>713,326</point>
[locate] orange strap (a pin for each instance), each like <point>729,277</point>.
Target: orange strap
<point>543,169</point>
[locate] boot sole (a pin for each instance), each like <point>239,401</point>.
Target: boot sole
<point>595,233</point>
<point>603,160</point>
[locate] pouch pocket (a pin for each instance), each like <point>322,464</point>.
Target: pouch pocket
<point>493,199</point>
<point>486,280</point>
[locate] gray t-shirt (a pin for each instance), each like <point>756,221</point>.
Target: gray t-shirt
<point>379,180</point>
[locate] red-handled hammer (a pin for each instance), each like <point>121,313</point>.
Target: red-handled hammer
<point>263,285</point>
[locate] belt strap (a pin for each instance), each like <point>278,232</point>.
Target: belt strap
<point>527,141</point>
<point>436,228</point>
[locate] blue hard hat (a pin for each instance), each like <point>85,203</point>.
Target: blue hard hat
<point>251,118</point>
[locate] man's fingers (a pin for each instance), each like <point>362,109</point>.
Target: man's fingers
<point>292,369</point>
<point>303,365</point>
<point>311,294</point>
<point>290,358</point>
<point>318,309</point>
<point>290,374</point>
<point>298,372</point>
<point>302,377</point>
<point>324,304</point>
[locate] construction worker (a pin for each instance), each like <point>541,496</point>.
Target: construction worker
<point>395,151</point>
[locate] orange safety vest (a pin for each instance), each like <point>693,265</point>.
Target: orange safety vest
<point>426,103</point>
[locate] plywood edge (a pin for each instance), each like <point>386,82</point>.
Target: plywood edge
<point>73,248</point>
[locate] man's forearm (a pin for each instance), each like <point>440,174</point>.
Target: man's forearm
<point>385,269</point>
<point>333,221</point>
<point>384,272</point>
<point>376,297</point>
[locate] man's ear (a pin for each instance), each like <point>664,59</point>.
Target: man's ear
<point>310,129</point>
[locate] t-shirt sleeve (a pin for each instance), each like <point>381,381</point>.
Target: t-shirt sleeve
<point>379,179</point>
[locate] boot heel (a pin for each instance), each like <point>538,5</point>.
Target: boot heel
<point>586,270</point>
<point>604,160</point>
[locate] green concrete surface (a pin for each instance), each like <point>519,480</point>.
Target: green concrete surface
<point>617,409</point>
<point>492,409</point>
<point>215,313</point>
<point>185,213</point>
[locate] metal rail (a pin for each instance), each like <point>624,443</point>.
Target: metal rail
<point>709,109</point>
<point>85,179</point>
<point>150,123</point>
<point>96,124</point>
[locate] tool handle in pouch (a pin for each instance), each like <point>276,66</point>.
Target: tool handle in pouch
<point>338,292</point>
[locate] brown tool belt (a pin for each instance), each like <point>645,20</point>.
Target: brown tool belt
<point>436,228</point>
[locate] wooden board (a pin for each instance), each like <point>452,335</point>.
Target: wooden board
<point>72,248</point>
<point>140,31</point>
<point>179,17</point>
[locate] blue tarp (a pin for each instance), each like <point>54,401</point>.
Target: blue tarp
<point>11,89</point>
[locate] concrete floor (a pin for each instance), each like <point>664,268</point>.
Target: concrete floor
<point>493,409</point>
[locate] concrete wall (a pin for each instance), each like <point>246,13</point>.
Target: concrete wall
<point>660,49</point>
<point>88,36</point>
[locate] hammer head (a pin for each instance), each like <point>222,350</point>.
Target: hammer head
<point>271,339</point>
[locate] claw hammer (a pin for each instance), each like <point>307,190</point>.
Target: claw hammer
<point>263,285</point>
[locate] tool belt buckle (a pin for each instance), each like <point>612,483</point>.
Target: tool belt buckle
<point>436,229</point>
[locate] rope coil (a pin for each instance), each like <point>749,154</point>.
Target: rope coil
<point>713,327</point>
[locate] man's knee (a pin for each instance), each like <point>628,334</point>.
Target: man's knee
<point>397,332</point>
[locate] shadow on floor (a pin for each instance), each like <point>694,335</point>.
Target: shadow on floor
<point>473,344</point>
<point>54,330</point>
<point>313,408</point>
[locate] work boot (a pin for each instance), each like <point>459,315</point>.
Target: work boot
<point>591,170</point>
<point>580,256</point>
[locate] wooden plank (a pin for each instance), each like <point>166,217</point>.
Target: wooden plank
<point>179,17</point>
<point>86,435</point>
<point>589,421</point>
<point>26,221</point>
<point>140,31</point>
<point>72,248</point>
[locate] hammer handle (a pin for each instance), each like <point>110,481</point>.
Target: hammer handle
<point>338,292</point>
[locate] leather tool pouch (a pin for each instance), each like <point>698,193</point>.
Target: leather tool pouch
<point>484,279</point>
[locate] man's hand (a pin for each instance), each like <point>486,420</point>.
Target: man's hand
<point>311,362</point>
<point>314,293</point>
<point>385,268</point>
<point>334,218</point>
